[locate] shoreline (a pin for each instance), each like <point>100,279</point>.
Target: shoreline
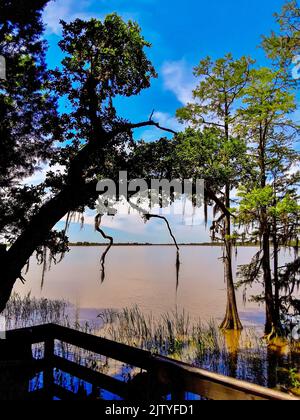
<point>88,245</point>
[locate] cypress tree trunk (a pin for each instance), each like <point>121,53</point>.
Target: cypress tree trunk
<point>271,323</point>
<point>276,278</point>
<point>232,319</point>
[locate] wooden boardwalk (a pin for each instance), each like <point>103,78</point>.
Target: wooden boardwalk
<point>159,376</point>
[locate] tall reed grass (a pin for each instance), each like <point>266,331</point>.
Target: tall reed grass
<point>244,355</point>
<point>27,311</point>
<point>175,334</point>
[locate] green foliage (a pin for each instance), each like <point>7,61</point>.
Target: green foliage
<point>210,156</point>
<point>268,102</point>
<point>294,378</point>
<point>210,150</point>
<point>282,45</point>
<point>221,85</point>
<point>102,60</point>
<point>252,201</point>
<point>28,116</point>
<point>240,131</point>
<point>111,52</point>
<point>28,113</point>
<point>268,209</point>
<point>152,159</point>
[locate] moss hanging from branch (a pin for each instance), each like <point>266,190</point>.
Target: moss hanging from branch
<point>98,220</point>
<point>177,269</point>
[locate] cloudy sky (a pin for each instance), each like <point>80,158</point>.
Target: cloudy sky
<point>181,34</point>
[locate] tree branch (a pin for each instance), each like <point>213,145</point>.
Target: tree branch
<point>211,123</point>
<point>222,206</point>
<point>155,216</point>
<point>98,219</point>
<point>150,123</point>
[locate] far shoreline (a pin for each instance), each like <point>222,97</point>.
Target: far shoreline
<point>130,244</point>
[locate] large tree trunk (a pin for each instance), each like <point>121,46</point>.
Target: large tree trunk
<point>276,277</point>
<point>271,324</point>
<point>232,319</point>
<point>13,260</point>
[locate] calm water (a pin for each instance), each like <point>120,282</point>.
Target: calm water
<point>144,276</point>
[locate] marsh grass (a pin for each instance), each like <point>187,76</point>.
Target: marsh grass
<point>175,334</point>
<point>244,355</point>
<point>170,332</point>
<point>131,326</point>
<point>27,311</point>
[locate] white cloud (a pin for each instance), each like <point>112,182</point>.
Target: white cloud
<point>165,120</point>
<point>134,224</point>
<point>131,223</point>
<point>67,10</point>
<point>40,175</point>
<point>178,78</point>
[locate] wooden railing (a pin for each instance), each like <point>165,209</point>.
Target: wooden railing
<point>162,376</point>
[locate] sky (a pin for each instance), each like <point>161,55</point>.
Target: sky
<point>181,34</point>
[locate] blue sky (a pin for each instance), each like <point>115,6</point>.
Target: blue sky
<point>181,33</point>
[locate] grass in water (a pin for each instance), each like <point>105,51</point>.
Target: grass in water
<point>27,311</point>
<point>240,355</point>
<point>244,355</point>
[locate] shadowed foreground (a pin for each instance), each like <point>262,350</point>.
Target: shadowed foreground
<point>158,377</point>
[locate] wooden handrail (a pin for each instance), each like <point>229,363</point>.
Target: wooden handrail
<point>166,371</point>
<point>212,385</point>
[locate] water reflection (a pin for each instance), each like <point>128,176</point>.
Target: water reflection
<point>144,276</point>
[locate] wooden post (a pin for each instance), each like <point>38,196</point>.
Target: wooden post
<point>178,395</point>
<point>178,392</point>
<point>49,369</point>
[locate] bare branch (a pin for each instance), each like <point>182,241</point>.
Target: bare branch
<point>211,123</point>
<point>149,123</point>
<point>151,116</point>
<point>155,216</point>
<point>98,219</point>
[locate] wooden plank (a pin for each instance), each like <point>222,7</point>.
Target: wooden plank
<point>211,385</point>
<point>169,372</point>
<point>32,335</point>
<point>121,352</point>
<point>64,394</point>
<point>38,395</point>
<point>49,368</point>
<point>94,378</point>
<point>207,384</point>
<point>32,366</point>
